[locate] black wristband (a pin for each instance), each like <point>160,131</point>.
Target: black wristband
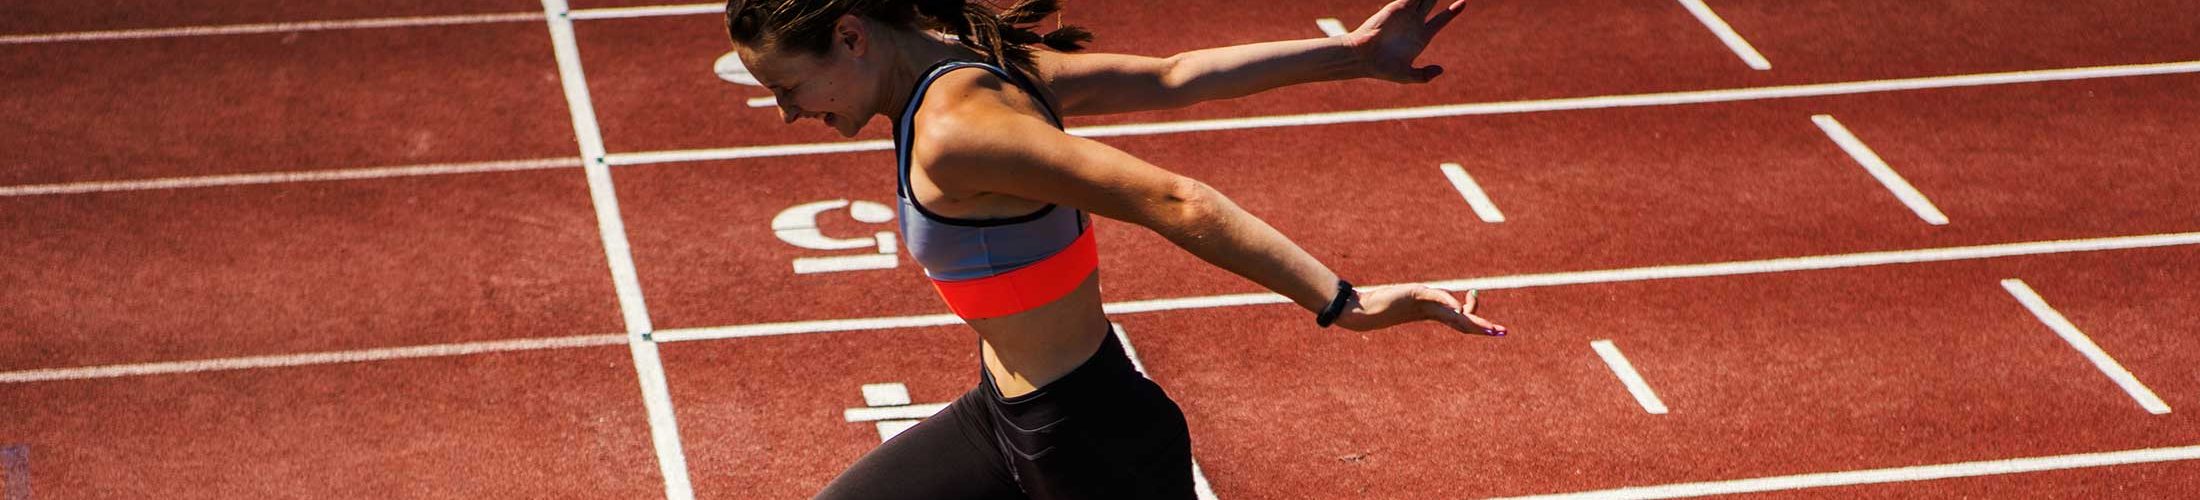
<point>1345,296</point>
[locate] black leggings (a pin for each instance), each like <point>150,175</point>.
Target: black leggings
<point>1102,431</point>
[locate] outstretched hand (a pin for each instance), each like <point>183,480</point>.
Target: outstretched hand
<point>1383,307</point>
<point>1390,40</point>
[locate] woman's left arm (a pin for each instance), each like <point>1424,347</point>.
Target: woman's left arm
<point>1384,47</point>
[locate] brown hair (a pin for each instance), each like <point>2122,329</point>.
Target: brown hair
<point>1002,36</point>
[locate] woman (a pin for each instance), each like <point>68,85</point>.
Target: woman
<point>995,201</point>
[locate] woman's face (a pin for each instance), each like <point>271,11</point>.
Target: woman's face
<point>838,87</point>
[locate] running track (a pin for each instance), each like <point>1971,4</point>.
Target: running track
<point>351,249</point>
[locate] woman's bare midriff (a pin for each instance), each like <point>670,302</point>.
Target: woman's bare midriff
<point>1027,350</point>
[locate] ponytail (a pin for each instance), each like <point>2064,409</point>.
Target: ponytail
<point>1003,37</point>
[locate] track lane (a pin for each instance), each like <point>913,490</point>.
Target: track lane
<point>192,274</point>
<point>482,426</point>
<point>28,17</point>
<point>281,102</point>
<point>1829,39</point>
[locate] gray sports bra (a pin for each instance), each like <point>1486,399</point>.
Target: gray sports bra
<point>952,249</point>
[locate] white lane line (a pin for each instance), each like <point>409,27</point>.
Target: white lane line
<point>1629,377</point>
<point>1887,177</point>
<point>1199,477</point>
<point>1736,268</point>
<point>1331,26</point>
<point>1726,34</point>
<point>289,27</point>
<point>1218,301</point>
<point>649,11</point>
<point>1473,193</point>
<point>763,102</point>
<point>649,369</point>
<point>1889,475</point>
<point>2084,344</point>
<point>317,358</point>
<point>289,177</point>
<point>1452,110</point>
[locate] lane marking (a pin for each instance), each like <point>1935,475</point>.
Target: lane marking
<point>1888,475</point>
<point>2084,344</point>
<point>317,358</point>
<point>908,412</point>
<point>887,394</point>
<point>649,11</point>
<point>1331,26</point>
<point>1727,35</point>
<point>1470,109</point>
<point>763,102</point>
<point>1199,477</point>
<point>1473,193</point>
<point>256,28</point>
<point>1733,268</point>
<point>1823,262</point>
<point>1629,377</point>
<point>351,24</point>
<point>1887,177</point>
<point>648,367</point>
<point>289,177</point>
<point>1315,119</point>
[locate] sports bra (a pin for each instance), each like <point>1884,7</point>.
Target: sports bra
<point>986,268</point>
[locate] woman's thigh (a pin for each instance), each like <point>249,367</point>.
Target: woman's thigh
<point>938,458</point>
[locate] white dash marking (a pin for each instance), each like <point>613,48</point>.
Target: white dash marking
<point>1889,475</point>
<point>1726,34</point>
<point>649,11</point>
<point>2084,344</point>
<point>1469,109</point>
<point>656,396</point>
<point>1331,26</point>
<point>1200,487</point>
<point>1887,177</point>
<point>1715,269</point>
<point>763,102</point>
<point>308,359</point>
<point>1473,193</point>
<point>845,263</point>
<point>888,394</point>
<point>1628,376</point>
<point>909,412</point>
<point>257,28</point>
<point>288,177</point>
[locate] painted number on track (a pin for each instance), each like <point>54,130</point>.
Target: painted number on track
<point>798,226</point>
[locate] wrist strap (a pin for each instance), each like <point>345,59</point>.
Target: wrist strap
<point>1345,295</point>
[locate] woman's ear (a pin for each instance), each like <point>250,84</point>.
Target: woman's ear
<point>852,33</point>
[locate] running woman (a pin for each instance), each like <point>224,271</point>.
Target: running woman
<point>996,204</point>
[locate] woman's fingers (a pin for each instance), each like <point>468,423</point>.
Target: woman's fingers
<point>1444,18</point>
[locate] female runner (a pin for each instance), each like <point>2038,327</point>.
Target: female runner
<point>995,203</point>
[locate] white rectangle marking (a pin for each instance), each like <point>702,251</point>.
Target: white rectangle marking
<point>890,428</point>
<point>1727,35</point>
<point>1473,193</point>
<point>2084,344</point>
<point>910,412</point>
<point>889,394</point>
<point>1331,26</point>
<point>1879,170</point>
<point>763,102</point>
<point>816,265</point>
<point>649,11</point>
<point>1627,375</point>
<point>1889,475</point>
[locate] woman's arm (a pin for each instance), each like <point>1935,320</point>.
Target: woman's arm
<point>978,141</point>
<point>1384,47</point>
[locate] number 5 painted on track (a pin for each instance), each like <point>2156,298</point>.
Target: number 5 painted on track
<point>798,226</point>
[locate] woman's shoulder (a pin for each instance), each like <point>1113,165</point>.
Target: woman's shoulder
<point>973,96</point>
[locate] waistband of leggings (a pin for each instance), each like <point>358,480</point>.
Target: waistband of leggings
<point>1108,369</point>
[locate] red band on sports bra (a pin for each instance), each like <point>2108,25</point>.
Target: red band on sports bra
<point>1025,288</point>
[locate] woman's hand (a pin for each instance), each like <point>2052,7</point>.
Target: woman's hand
<point>1389,41</point>
<point>1383,307</point>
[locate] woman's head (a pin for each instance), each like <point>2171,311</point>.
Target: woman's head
<point>824,58</point>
